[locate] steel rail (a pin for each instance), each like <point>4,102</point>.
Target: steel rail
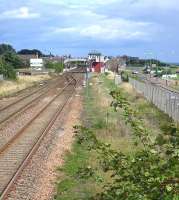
<point>21,99</point>
<point>27,105</point>
<point>35,147</point>
<point>2,149</point>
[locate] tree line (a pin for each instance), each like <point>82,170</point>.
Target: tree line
<point>10,59</point>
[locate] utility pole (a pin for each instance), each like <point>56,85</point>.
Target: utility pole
<point>87,85</point>
<point>166,76</point>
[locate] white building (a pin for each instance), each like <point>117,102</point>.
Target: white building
<point>36,63</point>
<point>97,57</point>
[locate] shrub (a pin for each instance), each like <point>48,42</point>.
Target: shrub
<point>7,70</point>
<point>125,76</point>
<point>57,66</point>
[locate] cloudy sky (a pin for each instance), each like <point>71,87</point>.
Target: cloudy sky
<point>145,28</point>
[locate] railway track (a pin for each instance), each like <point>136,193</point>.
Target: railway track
<point>16,153</point>
<point>20,105</point>
<point>26,92</point>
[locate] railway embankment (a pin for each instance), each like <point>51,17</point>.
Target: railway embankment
<point>126,148</point>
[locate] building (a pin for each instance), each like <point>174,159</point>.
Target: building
<point>26,59</point>
<point>97,61</point>
<point>116,64</point>
<point>36,63</point>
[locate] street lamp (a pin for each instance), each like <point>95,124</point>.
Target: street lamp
<point>150,53</point>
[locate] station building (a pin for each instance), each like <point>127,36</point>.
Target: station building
<point>97,62</point>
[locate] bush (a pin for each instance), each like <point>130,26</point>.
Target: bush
<point>7,70</point>
<point>125,76</point>
<point>57,66</point>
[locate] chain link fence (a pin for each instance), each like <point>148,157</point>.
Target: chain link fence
<point>164,98</point>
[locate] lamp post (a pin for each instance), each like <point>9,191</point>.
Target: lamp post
<point>150,53</point>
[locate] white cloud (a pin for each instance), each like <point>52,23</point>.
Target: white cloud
<point>162,4</point>
<point>64,30</point>
<point>159,4</point>
<point>20,13</point>
<point>82,18</point>
<point>109,29</point>
<point>78,2</point>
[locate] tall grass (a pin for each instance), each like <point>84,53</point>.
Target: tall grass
<point>8,87</point>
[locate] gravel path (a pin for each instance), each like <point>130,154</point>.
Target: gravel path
<point>37,182</point>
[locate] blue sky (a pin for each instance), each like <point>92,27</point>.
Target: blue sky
<point>145,28</point>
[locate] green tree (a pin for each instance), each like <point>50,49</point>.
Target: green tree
<point>7,70</point>
<point>12,59</point>
<point>4,48</point>
<point>31,52</point>
<point>49,65</point>
<point>57,66</point>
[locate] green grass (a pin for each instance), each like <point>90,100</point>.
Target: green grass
<point>96,109</point>
<point>109,127</point>
<point>70,187</point>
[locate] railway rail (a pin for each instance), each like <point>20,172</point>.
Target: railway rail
<point>23,96</point>
<point>23,103</point>
<point>16,153</point>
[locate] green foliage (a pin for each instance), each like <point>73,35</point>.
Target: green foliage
<point>142,62</point>
<point>125,76</point>
<point>65,185</point>
<point>106,73</point>
<point>30,52</point>
<point>4,48</point>
<point>151,173</point>
<point>7,70</point>
<point>12,59</point>
<point>57,66</point>
<point>9,60</point>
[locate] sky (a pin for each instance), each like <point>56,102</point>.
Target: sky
<point>144,28</point>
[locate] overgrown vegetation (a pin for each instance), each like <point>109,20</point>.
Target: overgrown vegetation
<point>9,87</point>
<point>137,62</point>
<point>9,61</point>
<point>7,69</point>
<point>57,66</point>
<point>146,167</point>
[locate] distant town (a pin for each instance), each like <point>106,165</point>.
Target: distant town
<point>26,62</point>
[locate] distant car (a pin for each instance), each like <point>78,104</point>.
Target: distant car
<point>39,69</point>
<point>135,72</point>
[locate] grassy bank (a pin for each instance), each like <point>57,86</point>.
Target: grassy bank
<point>109,127</point>
<point>9,87</point>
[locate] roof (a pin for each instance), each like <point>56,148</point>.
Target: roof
<point>95,53</point>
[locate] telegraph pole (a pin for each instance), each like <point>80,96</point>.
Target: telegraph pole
<point>87,85</point>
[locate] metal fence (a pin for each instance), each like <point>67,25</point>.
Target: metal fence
<point>164,98</point>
